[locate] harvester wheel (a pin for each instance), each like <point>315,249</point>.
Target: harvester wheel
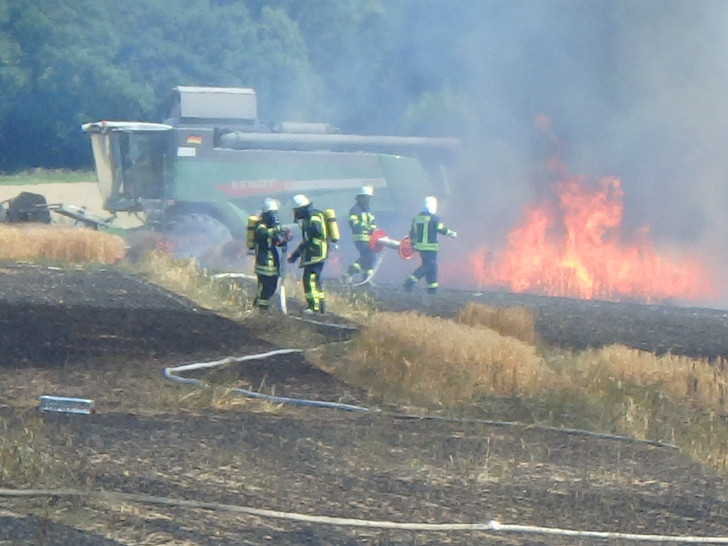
<point>200,236</point>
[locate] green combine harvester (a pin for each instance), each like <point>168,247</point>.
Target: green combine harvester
<point>196,178</point>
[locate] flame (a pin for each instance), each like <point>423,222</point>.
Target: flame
<point>335,265</point>
<point>571,246</point>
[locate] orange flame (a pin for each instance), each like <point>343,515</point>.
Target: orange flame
<point>573,248</point>
<point>335,264</point>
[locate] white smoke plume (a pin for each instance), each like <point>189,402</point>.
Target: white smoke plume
<point>634,90</point>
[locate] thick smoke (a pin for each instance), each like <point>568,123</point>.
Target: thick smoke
<point>634,90</point>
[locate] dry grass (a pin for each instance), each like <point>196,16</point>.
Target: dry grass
<point>670,398</point>
<point>487,355</point>
<point>224,295</point>
<point>517,322</point>
<point>24,458</point>
<point>225,398</point>
<point>411,358</point>
<point>695,382</point>
<point>446,363</point>
<point>59,243</point>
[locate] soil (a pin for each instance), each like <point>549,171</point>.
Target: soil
<point>108,335</point>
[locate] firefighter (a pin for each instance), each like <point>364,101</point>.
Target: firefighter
<point>268,235</point>
<point>423,234</point>
<point>362,224</point>
<point>313,251</point>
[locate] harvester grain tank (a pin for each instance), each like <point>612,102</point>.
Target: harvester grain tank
<point>197,177</point>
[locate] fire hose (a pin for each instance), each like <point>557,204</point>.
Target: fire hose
<point>378,241</point>
<point>405,250</point>
<point>173,371</point>
<point>492,526</point>
<point>282,277</point>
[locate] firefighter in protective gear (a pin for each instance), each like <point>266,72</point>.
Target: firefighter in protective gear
<point>423,234</point>
<point>313,251</point>
<point>267,237</point>
<point>362,223</point>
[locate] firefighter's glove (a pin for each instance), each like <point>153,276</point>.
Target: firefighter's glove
<point>453,234</point>
<point>293,257</point>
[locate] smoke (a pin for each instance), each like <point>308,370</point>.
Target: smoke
<point>634,90</point>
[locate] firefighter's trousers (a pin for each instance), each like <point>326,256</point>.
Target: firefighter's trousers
<point>427,269</point>
<point>312,287</point>
<point>267,285</point>
<point>365,263</point>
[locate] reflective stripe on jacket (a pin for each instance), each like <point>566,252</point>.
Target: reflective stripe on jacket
<point>314,247</point>
<point>362,223</point>
<point>267,260</point>
<point>425,228</point>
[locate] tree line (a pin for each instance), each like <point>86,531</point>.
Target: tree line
<point>482,70</point>
<point>364,65</point>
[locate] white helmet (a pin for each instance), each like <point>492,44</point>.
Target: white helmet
<point>270,205</point>
<point>430,204</point>
<point>300,200</point>
<point>366,190</point>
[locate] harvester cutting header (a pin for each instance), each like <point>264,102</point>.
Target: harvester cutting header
<point>199,176</point>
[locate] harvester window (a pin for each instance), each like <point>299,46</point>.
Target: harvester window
<point>143,163</point>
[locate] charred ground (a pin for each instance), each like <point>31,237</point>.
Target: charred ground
<point>107,335</point>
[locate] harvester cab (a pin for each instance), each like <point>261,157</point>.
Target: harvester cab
<point>133,164</point>
<point>199,176</point>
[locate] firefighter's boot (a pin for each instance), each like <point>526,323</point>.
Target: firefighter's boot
<point>409,284</point>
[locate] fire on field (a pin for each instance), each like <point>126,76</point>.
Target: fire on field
<point>59,243</point>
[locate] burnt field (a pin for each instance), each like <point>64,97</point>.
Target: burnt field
<point>108,335</point>
<point>578,324</point>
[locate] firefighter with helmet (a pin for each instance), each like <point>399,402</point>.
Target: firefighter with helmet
<point>312,251</point>
<point>423,234</point>
<point>268,236</point>
<point>362,223</point>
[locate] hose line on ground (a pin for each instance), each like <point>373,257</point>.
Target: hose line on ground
<point>490,526</point>
<point>172,373</point>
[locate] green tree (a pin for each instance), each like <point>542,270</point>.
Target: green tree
<point>215,44</point>
<point>350,47</point>
<point>65,78</point>
<point>361,64</point>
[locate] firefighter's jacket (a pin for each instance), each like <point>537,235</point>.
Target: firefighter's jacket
<point>423,234</point>
<point>362,223</point>
<point>267,239</point>
<point>314,247</point>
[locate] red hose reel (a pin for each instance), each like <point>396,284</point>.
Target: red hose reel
<point>379,240</point>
